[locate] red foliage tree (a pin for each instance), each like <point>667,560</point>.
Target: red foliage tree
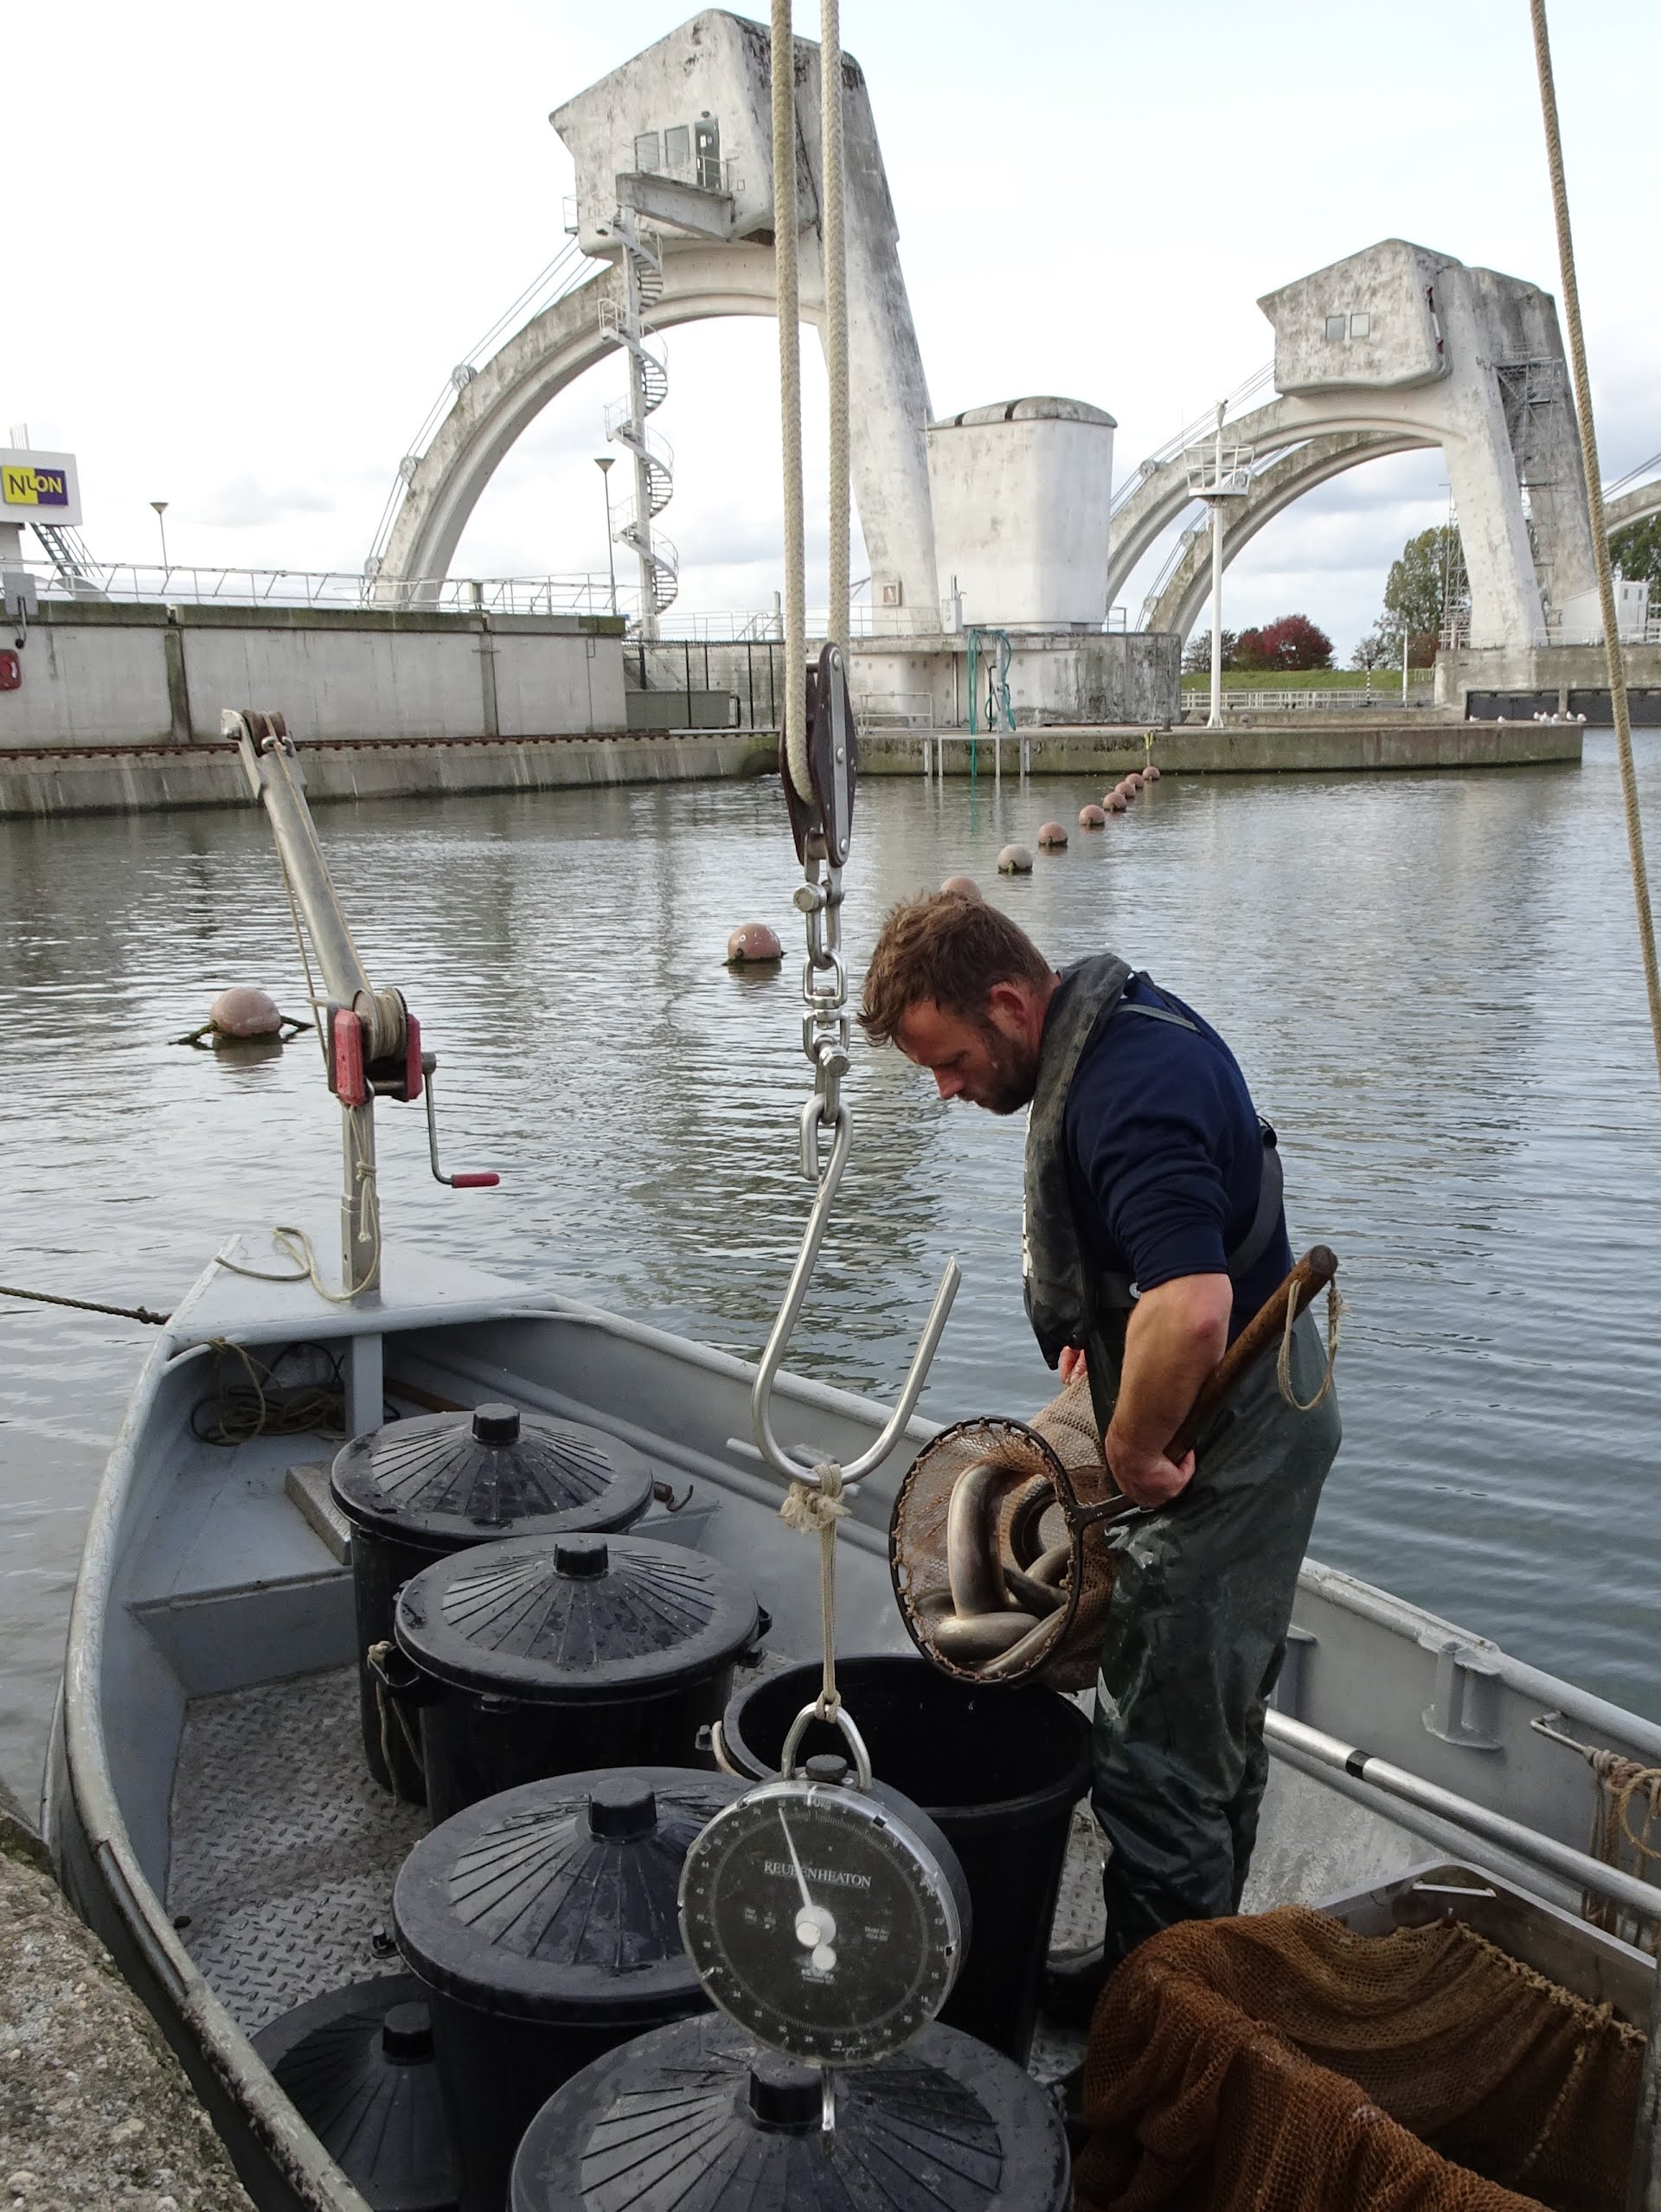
<point>1248,650</point>
<point>1294,642</point>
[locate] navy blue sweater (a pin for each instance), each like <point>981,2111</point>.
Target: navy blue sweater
<point>1164,1154</point>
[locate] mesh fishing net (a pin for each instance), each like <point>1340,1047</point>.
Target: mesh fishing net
<point>997,1581</point>
<point>1284,2063</point>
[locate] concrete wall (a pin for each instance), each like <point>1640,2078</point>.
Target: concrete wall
<point>1311,749</point>
<point>138,779</point>
<point>1552,672</point>
<point>1061,676</point>
<point>102,675</point>
<point>1021,492</point>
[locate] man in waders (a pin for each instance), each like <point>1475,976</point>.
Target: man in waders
<point>1153,1232</point>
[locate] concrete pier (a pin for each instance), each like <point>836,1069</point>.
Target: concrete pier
<point>95,2109</point>
<point>147,779</point>
<point>1352,744</point>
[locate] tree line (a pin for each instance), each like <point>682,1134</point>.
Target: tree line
<point>1426,594</point>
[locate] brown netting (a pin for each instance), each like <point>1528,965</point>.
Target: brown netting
<point>1032,1477</point>
<point>1283,2063</point>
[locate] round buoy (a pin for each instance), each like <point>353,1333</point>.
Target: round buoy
<point>242,1012</point>
<point>1150,773</point>
<point>965,886</point>
<point>1091,817</point>
<point>1052,835</point>
<point>1127,791</point>
<point>1015,860</point>
<point>753,942</point>
<point>1113,801</point>
<point>1135,780</point>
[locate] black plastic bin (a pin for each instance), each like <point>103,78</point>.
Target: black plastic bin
<point>696,2116</point>
<point>543,1924</point>
<point>416,1490</point>
<point>999,1769</point>
<point>357,2065</point>
<point>549,1655</point>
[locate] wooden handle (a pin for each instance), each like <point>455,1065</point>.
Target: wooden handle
<point>1265,1329</point>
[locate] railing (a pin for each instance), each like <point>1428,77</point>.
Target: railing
<point>569,269</point>
<point>152,583</point>
<point>1257,386</point>
<point>894,709</point>
<point>1343,699</point>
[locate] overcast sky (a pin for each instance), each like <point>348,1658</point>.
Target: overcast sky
<point>247,244</point>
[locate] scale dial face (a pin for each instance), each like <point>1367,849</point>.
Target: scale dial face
<point>816,1920</point>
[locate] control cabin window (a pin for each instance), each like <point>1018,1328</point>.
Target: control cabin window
<point>648,151</point>
<point>678,147</point>
<point>1335,326</point>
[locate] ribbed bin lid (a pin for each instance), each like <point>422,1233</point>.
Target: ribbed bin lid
<point>555,1902</point>
<point>452,1480</point>
<point>571,1620</point>
<point>697,2117</point>
<point>357,2066</point>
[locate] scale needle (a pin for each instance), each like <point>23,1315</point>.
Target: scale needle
<point>815,1928</point>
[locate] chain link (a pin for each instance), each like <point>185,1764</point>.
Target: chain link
<point>826,1034</point>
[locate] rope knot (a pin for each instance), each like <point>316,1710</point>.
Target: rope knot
<point>812,1507</point>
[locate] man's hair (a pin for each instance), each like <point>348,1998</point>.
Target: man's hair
<point>949,948</point>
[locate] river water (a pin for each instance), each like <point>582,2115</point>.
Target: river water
<point>1431,980</point>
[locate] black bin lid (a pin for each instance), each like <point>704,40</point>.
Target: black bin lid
<point>557,1902</point>
<point>574,1620</point>
<point>357,2066</point>
<point>450,1479</point>
<point>696,2117</point>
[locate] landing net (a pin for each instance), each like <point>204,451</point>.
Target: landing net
<point>1284,2063</point>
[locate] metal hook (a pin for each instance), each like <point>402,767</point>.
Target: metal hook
<point>787,1463</point>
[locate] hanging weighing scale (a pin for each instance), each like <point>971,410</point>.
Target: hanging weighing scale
<point>826,1915</point>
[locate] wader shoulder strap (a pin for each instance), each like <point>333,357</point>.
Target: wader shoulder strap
<point>1115,1292</point>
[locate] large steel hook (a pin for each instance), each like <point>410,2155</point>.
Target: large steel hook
<point>791,1464</point>
<point>821,822</point>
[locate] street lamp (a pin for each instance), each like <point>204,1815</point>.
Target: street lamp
<point>603,462</point>
<point>160,505</point>
<point>1225,475</point>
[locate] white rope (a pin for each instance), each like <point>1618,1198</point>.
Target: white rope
<point>814,1508</point>
<point>294,1244</point>
<point>789,389</point>
<point>1600,529</point>
<point>1283,1365</point>
<point>835,310</point>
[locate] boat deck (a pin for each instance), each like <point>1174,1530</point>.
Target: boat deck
<point>283,1849</point>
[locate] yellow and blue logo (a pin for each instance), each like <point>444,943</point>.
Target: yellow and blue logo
<point>27,486</point>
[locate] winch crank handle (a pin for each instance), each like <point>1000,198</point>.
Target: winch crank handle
<point>482,1178</point>
<point>794,1468</point>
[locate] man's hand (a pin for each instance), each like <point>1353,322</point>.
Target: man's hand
<point>1147,1477</point>
<point>1071,1362</point>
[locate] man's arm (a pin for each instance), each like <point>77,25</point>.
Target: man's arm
<point>1177,1334</point>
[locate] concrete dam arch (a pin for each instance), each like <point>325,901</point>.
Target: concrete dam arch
<point>495,408</point>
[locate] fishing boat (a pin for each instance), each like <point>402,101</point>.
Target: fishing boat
<point>207,1799</point>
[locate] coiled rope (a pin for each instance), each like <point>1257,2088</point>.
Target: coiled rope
<point>783,62</point>
<point>1599,532</point>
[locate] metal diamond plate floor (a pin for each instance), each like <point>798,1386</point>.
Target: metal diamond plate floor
<point>283,1849</point>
